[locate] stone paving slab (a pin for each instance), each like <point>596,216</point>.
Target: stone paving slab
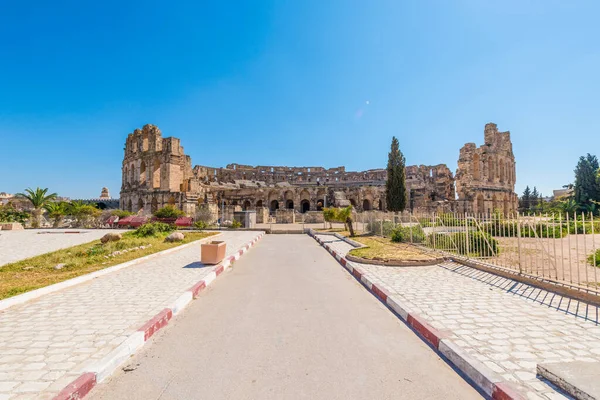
<point>508,326</point>
<point>18,245</point>
<point>46,343</point>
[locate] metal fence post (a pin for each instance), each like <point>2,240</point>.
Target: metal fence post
<point>467,235</point>
<point>519,242</point>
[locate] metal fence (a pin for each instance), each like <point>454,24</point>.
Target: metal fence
<point>558,247</point>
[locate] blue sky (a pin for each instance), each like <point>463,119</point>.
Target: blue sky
<point>297,83</point>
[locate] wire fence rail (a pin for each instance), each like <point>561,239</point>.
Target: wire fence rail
<point>564,248</point>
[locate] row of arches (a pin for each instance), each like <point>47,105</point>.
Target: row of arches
<point>135,206</point>
<point>495,167</point>
<point>149,175</point>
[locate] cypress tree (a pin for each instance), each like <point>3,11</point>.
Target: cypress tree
<point>587,186</point>
<point>526,199</point>
<point>395,186</point>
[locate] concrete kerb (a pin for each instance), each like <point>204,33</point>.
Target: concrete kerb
<point>34,294</point>
<point>482,377</point>
<point>98,371</point>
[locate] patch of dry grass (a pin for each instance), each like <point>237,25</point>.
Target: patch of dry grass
<point>36,272</point>
<point>384,249</point>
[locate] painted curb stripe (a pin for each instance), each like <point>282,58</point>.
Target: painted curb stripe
<point>483,378</point>
<point>427,331</point>
<point>156,323</point>
<point>78,388</point>
<point>197,288</point>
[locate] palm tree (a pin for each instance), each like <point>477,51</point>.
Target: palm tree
<point>56,211</point>
<point>38,199</point>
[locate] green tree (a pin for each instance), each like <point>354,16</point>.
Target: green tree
<point>56,211</point>
<point>38,199</point>
<point>345,215</point>
<point>587,185</point>
<point>83,213</point>
<point>526,200</point>
<point>395,186</point>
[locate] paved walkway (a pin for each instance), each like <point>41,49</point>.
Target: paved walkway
<point>45,343</point>
<point>509,326</point>
<point>18,245</point>
<point>286,323</point>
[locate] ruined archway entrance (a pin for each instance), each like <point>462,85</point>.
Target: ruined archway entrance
<point>380,205</point>
<point>289,204</point>
<point>320,205</point>
<point>140,204</point>
<point>480,206</point>
<point>129,206</point>
<point>154,205</point>
<point>305,205</point>
<point>274,205</point>
<point>353,203</point>
<point>259,204</point>
<point>247,205</point>
<point>366,205</point>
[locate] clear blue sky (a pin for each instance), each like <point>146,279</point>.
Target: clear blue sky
<point>287,83</point>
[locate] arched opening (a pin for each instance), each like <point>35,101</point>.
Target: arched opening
<point>125,175</point>
<point>140,204</point>
<point>154,205</point>
<point>491,170</point>
<point>289,204</point>
<point>305,205</point>
<point>131,177</point>
<point>274,205</point>
<point>380,205</point>
<point>476,167</point>
<point>494,203</point>
<point>247,205</point>
<point>142,173</point>
<point>320,205</point>
<point>505,206</point>
<point>480,206</point>
<point>129,206</point>
<point>259,203</point>
<point>171,201</point>
<point>366,205</point>
<point>353,202</point>
<point>156,174</point>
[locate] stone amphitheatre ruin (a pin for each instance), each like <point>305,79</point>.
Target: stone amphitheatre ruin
<point>156,172</point>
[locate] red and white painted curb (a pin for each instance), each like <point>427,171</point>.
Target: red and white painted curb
<point>103,368</point>
<point>482,377</point>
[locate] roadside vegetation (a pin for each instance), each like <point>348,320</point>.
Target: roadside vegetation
<point>383,249</point>
<point>47,269</point>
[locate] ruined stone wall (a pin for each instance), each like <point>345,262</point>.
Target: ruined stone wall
<point>156,172</point>
<point>486,175</point>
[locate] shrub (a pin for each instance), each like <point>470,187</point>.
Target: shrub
<point>408,234</point>
<point>121,213</point>
<point>83,213</point>
<point>594,258</point>
<point>235,224</point>
<point>10,214</point>
<point>200,225</point>
<point>168,212</point>
<point>378,227</point>
<point>205,215</point>
<point>480,244</point>
<point>153,229</point>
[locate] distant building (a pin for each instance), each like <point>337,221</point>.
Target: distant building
<point>558,193</point>
<point>5,197</point>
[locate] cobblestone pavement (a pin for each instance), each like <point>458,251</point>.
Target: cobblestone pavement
<point>18,245</point>
<point>45,343</point>
<point>509,326</point>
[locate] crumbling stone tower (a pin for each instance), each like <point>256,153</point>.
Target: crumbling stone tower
<point>486,176</point>
<point>156,172</point>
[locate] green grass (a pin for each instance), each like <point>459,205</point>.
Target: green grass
<point>380,248</point>
<point>37,272</point>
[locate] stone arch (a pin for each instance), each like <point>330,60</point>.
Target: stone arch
<point>154,205</point>
<point>305,205</point>
<point>259,203</point>
<point>125,174</point>
<point>366,205</point>
<point>129,206</point>
<point>491,170</point>
<point>247,205</point>
<point>274,205</point>
<point>476,167</point>
<point>156,174</point>
<point>320,204</point>
<point>480,209</point>
<point>131,174</point>
<point>494,203</point>
<point>142,172</point>
<point>353,202</point>
<point>505,205</point>
<point>289,204</point>
<point>140,204</point>
<point>172,200</point>
<point>380,205</point>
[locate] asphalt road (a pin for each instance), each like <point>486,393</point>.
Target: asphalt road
<point>288,322</point>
